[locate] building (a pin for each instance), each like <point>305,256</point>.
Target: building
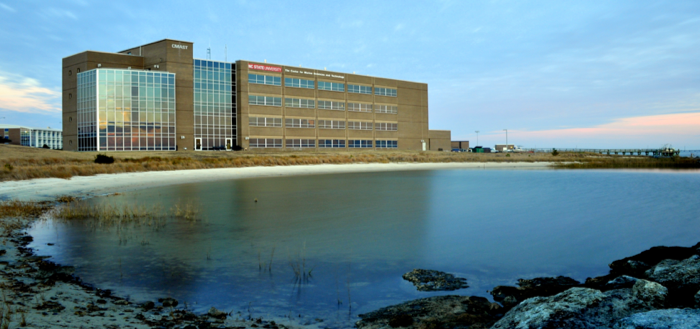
<point>462,145</point>
<point>158,97</point>
<point>33,137</point>
<point>504,147</point>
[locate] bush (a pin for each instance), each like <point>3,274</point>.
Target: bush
<point>104,159</point>
<point>9,167</point>
<point>237,148</point>
<point>508,155</point>
<point>555,152</point>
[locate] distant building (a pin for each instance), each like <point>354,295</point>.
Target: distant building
<point>32,137</point>
<point>462,145</point>
<point>502,147</point>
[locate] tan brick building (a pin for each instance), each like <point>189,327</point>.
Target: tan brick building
<point>158,97</point>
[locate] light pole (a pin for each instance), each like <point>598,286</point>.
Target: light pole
<point>506,130</point>
<point>477,138</point>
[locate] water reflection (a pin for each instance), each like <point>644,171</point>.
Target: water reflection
<point>356,234</point>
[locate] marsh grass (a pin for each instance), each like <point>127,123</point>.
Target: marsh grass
<point>122,217</point>
<point>633,163</point>
<point>15,215</point>
<point>302,275</point>
<point>50,163</point>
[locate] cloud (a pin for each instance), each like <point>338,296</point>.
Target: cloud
<point>26,95</point>
<point>8,8</point>
<point>630,132</point>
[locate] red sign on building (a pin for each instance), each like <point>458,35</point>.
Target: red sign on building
<point>264,68</point>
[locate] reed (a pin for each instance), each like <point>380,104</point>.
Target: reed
<point>633,163</point>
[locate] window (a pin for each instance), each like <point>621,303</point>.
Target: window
<point>331,143</point>
<point>360,125</point>
<point>360,143</point>
<point>385,91</point>
<point>386,126</point>
<point>264,100</point>
<point>299,123</point>
<point>359,107</point>
<point>360,89</point>
<point>298,83</point>
<point>387,144</point>
<point>300,143</point>
<point>264,122</point>
<point>265,143</point>
<point>391,109</point>
<point>299,103</point>
<point>331,124</point>
<point>332,86</point>
<point>264,79</point>
<point>330,105</point>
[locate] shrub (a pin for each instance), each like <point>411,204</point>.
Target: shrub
<point>104,159</point>
<point>508,155</point>
<point>9,167</point>
<point>237,148</point>
<point>555,152</point>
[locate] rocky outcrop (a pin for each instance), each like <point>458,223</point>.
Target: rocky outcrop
<point>431,280</point>
<point>510,296</point>
<point>638,264</point>
<point>682,278</point>
<point>584,307</point>
<point>661,319</point>
<point>434,312</point>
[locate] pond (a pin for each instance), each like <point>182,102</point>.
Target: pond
<point>330,247</point>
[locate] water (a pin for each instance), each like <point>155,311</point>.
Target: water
<point>358,233</point>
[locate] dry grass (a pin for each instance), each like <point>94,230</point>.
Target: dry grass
<point>20,163</point>
<point>15,215</point>
<point>106,216</point>
<point>633,163</point>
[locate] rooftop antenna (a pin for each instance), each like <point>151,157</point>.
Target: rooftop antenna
<point>209,51</point>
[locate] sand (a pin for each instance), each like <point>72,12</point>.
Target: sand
<point>45,189</point>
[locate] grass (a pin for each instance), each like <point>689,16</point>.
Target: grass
<point>633,163</point>
<point>14,214</point>
<point>21,163</point>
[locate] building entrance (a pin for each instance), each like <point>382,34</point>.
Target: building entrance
<point>197,144</point>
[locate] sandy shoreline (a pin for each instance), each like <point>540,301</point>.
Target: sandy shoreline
<point>45,189</point>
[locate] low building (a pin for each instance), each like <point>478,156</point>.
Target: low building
<point>504,147</point>
<point>33,137</point>
<point>462,145</point>
<point>158,97</point>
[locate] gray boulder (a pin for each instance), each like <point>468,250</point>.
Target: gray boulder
<point>620,282</point>
<point>584,307</point>
<point>682,278</point>
<point>661,319</point>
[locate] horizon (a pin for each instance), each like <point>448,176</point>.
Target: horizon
<point>555,75</point>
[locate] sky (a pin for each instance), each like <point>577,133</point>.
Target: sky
<point>564,74</point>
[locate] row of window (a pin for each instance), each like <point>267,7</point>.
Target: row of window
<point>322,124</point>
<point>322,105</point>
<point>322,143</point>
<point>322,85</point>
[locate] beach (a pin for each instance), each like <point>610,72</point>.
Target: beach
<point>47,189</point>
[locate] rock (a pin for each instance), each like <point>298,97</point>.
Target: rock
<point>50,306</point>
<point>697,299</point>
<point>431,280</point>
<point>623,281</point>
<point>682,278</point>
<point>440,311</point>
<point>638,264</point>
<point>214,313</point>
<point>3,252</point>
<point>121,302</point>
<point>147,306</point>
<point>661,319</point>
<point>510,296</point>
<point>168,302</point>
<point>584,307</point>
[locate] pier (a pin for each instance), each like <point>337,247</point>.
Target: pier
<point>646,152</point>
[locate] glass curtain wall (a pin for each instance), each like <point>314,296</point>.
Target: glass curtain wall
<point>135,110</point>
<point>87,113</point>
<point>214,111</point>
